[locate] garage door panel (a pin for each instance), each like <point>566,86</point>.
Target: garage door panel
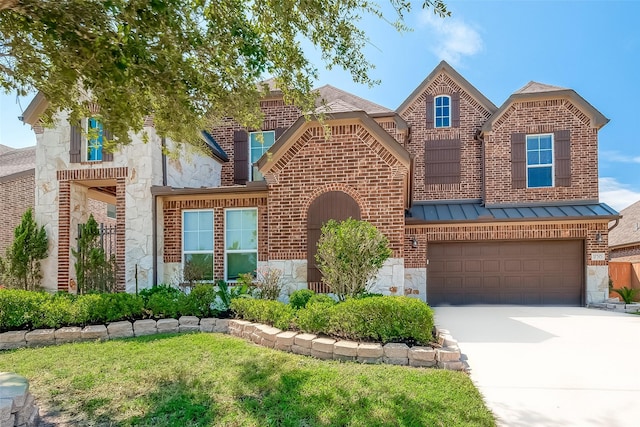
<point>514,272</point>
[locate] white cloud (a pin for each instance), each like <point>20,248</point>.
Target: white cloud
<point>616,194</point>
<point>616,156</point>
<point>450,38</point>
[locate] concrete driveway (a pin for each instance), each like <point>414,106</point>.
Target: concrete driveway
<point>551,366</point>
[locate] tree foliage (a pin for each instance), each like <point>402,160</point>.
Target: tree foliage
<point>186,63</point>
<point>350,253</point>
<point>21,267</point>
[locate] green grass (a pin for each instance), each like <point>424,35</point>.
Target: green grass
<point>218,380</point>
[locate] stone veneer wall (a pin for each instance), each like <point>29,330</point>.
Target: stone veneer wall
<point>17,406</point>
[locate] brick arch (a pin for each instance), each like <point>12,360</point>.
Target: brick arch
<point>364,209</point>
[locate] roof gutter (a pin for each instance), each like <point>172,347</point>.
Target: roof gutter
<point>486,220</point>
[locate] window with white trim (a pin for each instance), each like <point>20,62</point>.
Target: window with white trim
<point>241,242</point>
<point>95,137</point>
<point>111,211</point>
<point>259,143</point>
<point>197,243</point>
<point>540,160</point>
<point>442,111</point>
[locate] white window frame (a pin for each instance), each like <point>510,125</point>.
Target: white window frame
<point>213,232</point>
<point>546,165</point>
<point>435,112</point>
<point>85,147</point>
<point>251,165</point>
<point>237,251</point>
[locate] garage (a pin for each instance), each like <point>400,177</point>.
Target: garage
<point>544,272</point>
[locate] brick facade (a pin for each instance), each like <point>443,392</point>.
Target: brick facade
<point>17,193</point>
<point>535,117</point>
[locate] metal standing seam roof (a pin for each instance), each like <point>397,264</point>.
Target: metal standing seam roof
<point>475,211</point>
<point>215,148</point>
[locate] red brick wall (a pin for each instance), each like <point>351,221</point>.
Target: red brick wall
<point>17,195</point>
<point>172,210</point>
<point>277,115</point>
<point>348,162</point>
<point>99,211</point>
<point>542,117</point>
<point>472,116</point>
<point>416,257</point>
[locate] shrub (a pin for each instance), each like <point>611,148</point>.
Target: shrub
<point>350,253</point>
<point>321,299</point>
<point>384,319</point>
<point>225,294</point>
<point>298,299</point>
<point>18,308</point>
<point>161,300</point>
<point>270,312</point>
<point>314,318</point>
<point>627,294</point>
<point>269,283</point>
<point>21,268</point>
<point>199,302</point>
<point>94,270</point>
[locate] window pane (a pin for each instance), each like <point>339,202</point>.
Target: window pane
<point>532,143</point>
<point>438,122</point>
<point>249,239</point>
<point>205,241</point>
<point>533,158</point>
<point>234,220</point>
<point>546,157</point>
<point>445,101</point>
<point>190,240</point>
<point>190,221</point>
<point>445,122</point>
<point>199,266</point>
<point>539,177</point>
<point>205,221</point>
<point>234,239</point>
<point>545,142</point>
<point>439,101</point>
<point>445,111</point>
<point>249,218</point>
<point>240,263</point>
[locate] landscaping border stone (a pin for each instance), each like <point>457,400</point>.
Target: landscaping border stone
<point>17,405</point>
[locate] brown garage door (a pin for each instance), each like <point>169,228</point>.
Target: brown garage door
<point>527,272</point>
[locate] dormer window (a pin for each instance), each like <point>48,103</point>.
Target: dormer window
<point>95,139</point>
<point>539,161</point>
<point>442,111</point>
<point>259,143</point>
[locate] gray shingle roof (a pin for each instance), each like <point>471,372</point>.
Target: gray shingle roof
<point>628,230</point>
<point>536,87</point>
<point>330,95</point>
<point>475,211</point>
<point>17,160</point>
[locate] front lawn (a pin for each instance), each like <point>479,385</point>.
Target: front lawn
<point>217,380</point>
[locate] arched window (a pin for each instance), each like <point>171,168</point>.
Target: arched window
<point>442,111</point>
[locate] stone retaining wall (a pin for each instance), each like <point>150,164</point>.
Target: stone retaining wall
<point>17,407</point>
<point>445,354</point>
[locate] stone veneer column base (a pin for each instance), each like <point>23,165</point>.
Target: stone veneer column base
<point>597,286</point>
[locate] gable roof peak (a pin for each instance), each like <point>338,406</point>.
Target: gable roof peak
<point>537,87</point>
<point>329,95</point>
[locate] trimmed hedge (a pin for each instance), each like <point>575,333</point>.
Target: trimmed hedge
<point>378,318</point>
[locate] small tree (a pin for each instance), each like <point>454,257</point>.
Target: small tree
<point>350,253</point>
<point>94,271</point>
<point>21,268</point>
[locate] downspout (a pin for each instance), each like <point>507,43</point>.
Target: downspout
<point>154,212</point>
<point>614,225</point>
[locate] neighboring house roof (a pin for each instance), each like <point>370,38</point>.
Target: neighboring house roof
<point>627,232</point>
<point>214,147</point>
<point>444,67</point>
<point>4,149</point>
<point>17,160</point>
<point>346,101</point>
<point>534,91</point>
<point>474,210</point>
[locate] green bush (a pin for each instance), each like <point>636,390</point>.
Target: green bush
<point>199,302</point>
<point>18,308</point>
<point>161,301</point>
<point>627,294</point>
<point>314,318</point>
<point>270,312</point>
<point>299,299</point>
<point>322,299</point>
<point>383,319</point>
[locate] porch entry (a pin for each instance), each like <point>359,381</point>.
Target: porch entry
<point>335,205</point>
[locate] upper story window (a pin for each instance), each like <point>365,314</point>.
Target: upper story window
<point>540,160</point>
<point>259,143</point>
<point>442,111</point>
<point>95,139</point>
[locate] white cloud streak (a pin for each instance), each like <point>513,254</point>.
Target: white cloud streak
<point>616,194</point>
<point>450,38</point>
<point>618,157</point>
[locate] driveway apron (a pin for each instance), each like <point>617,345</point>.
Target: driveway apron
<point>551,366</point>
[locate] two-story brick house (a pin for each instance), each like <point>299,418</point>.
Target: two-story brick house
<point>480,204</point>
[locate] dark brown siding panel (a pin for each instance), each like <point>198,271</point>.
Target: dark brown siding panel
<point>442,162</point>
<point>518,160</point>
<point>240,157</point>
<point>562,152</point>
<point>455,109</point>
<point>278,132</point>
<point>429,111</point>
<point>75,145</point>
<point>332,205</point>
<point>107,156</point>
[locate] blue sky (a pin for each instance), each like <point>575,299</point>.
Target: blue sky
<point>592,47</point>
